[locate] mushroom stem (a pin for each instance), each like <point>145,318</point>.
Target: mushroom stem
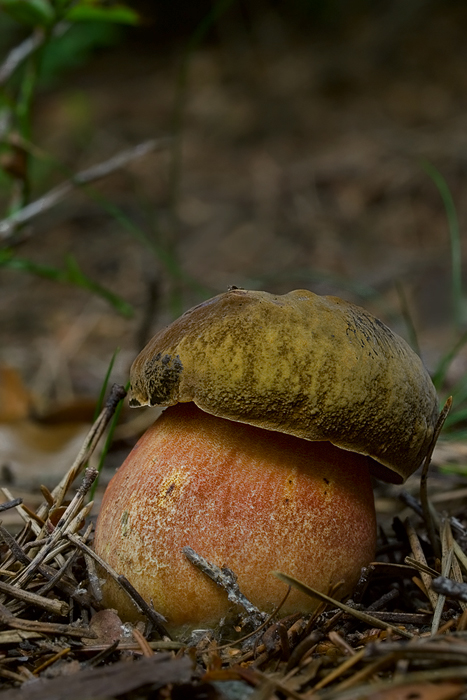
<point>245,498</point>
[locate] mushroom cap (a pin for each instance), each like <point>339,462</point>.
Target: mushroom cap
<point>315,367</point>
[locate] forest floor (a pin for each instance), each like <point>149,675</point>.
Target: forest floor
<point>301,160</point>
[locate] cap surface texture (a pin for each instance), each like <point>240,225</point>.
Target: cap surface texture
<point>315,367</point>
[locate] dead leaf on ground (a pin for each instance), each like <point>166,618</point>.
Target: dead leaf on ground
<point>34,450</point>
<point>32,454</point>
<point>108,627</point>
<point>15,400</point>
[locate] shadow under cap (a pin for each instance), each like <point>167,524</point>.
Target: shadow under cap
<point>315,367</point>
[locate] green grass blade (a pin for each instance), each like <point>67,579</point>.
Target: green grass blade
<point>454,235</point>
<point>107,444</point>
<point>113,423</point>
<point>458,417</point>
<point>440,372</point>
<point>71,274</point>
<point>105,383</point>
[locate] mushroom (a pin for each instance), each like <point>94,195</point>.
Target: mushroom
<point>280,410</point>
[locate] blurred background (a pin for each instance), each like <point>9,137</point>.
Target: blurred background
<point>303,143</point>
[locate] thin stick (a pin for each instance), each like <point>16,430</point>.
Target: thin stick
<point>427,513</point>
<point>7,618</point>
<point>16,550</point>
<point>33,515</point>
<point>85,177</point>
<point>447,544</point>
<point>365,672</point>
<point>415,564</point>
<point>77,522</point>
<point>22,512</point>
<point>340,642</point>
<point>456,574</point>
<point>159,645</point>
<point>56,579</point>
<point>447,587</point>
<point>57,553</point>
<point>11,675</point>
<point>52,660</point>
<point>342,668</point>
<point>445,571</point>
<point>271,684</point>
<point>117,393</point>
<point>455,674</point>
<point>21,52</point>
<point>136,598</point>
<point>460,554</point>
<point>93,578</point>
<point>142,642</point>
<point>53,577</point>
<point>359,614</point>
<point>420,557</point>
<point>143,606</point>
<point>258,629</point>
<point>56,607</point>
<point>225,578</point>
<point>61,527</point>
<point>10,504</point>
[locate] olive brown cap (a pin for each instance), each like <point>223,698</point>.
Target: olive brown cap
<point>315,367</point>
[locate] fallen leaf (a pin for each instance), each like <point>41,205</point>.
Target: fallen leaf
<point>108,627</point>
<point>37,450</point>
<point>32,454</point>
<point>15,400</point>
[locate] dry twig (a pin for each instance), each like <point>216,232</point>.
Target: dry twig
<point>225,578</point>
<point>85,177</point>
<point>27,47</point>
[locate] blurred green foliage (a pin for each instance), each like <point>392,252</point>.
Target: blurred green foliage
<point>70,274</point>
<point>33,13</point>
<point>47,13</point>
<point>75,47</point>
<point>455,425</point>
<point>72,31</point>
<point>41,40</point>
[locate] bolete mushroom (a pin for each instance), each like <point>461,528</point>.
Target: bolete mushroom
<point>280,408</point>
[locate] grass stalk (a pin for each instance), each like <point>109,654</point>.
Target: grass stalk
<point>454,236</point>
